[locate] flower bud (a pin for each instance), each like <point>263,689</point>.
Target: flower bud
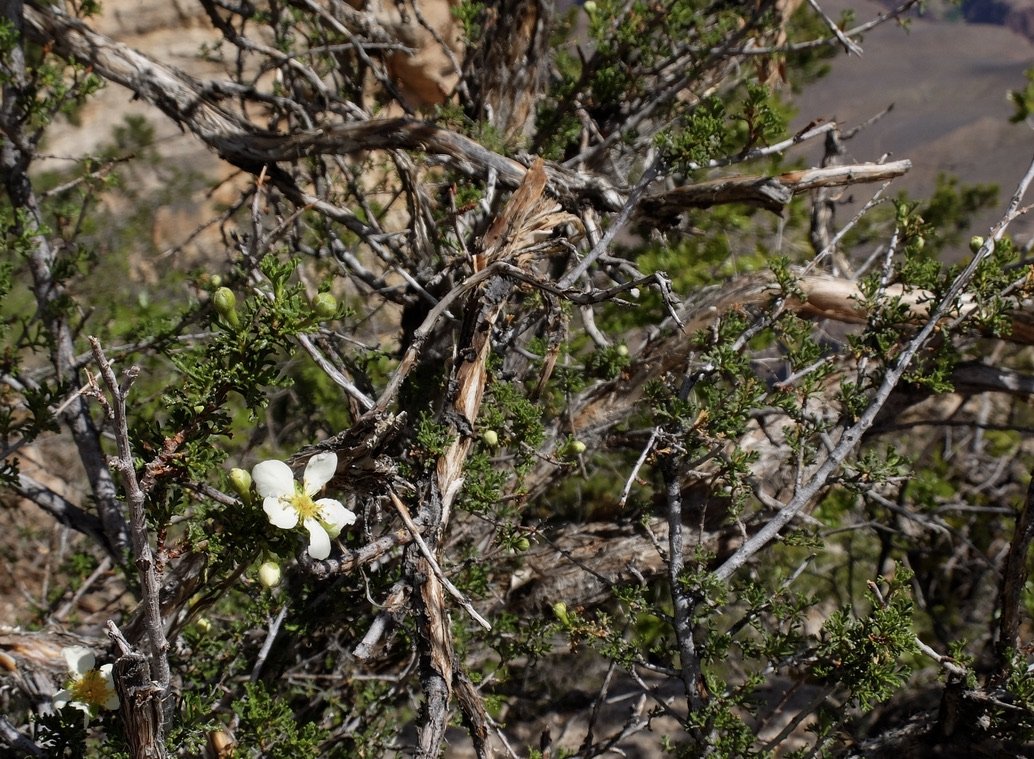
<point>204,624</point>
<point>215,280</point>
<point>220,744</point>
<point>225,303</point>
<point>976,242</point>
<point>522,544</point>
<point>324,306</point>
<point>241,481</point>
<point>589,6</point>
<point>560,612</point>
<point>622,350</point>
<point>575,448</point>
<point>269,574</point>
<point>490,438</point>
<point>634,293</point>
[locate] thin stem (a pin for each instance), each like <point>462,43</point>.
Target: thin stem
<point>139,534</point>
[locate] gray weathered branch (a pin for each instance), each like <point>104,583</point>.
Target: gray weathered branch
<point>139,532</point>
<point>771,193</point>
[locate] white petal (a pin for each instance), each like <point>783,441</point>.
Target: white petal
<point>319,540</point>
<point>61,699</point>
<point>334,514</point>
<point>319,471</point>
<point>80,660</point>
<point>273,478</point>
<point>112,701</point>
<point>280,514</point>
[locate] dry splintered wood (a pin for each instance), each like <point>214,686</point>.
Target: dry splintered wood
<point>772,193</point>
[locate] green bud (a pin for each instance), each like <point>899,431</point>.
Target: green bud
<point>241,481</point>
<point>622,350</point>
<point>269,574</point>
<point>204,624</point>
<point>560,612</point>
<point>324,306</point>
<point>225,303</point>
<point>976,242</point>
<point>920,242</point>
<point>589,6</point>
<point>576,448</point>
<point>490,438</point>
<point>215,280</point>
<point>522,544</point>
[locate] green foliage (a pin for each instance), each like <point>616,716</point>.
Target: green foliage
<point>268,727</point>
<point>864,655</point>
<point>47,86</point>
<point>607,363</point>
<point>1023,100</point>
<point>711,131</point>
<point>949,211</point>
<point>705,136</point>
<point>434,438</point>
<point>468,13</point>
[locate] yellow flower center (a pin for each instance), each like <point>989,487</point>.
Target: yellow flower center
<point>303,504</point>
<point>92,688</point>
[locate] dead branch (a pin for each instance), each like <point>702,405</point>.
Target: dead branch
<point>17,741</point>
<point>141,700</point>
<point>185,100</point>
<point>64,511</point>
<point>1014,579</point>
<point>143,555</point>
<point>579,564</point>
<point>508,70</point>
<point>770,193</point>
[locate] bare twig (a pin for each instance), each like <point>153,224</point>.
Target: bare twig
<point>332,371</point>
<point>638,465</point>
<point>135,499</point>
<point>267,644</point>
<point>683,604</point>
<point>616,226</point>
<point>433,563</point>
<point>849,45</point>
<point>16,741</point>
<point>64,511</point>
<point>103,568</point>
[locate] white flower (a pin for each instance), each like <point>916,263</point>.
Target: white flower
<point>89,689</point>
<point>286,502</point>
